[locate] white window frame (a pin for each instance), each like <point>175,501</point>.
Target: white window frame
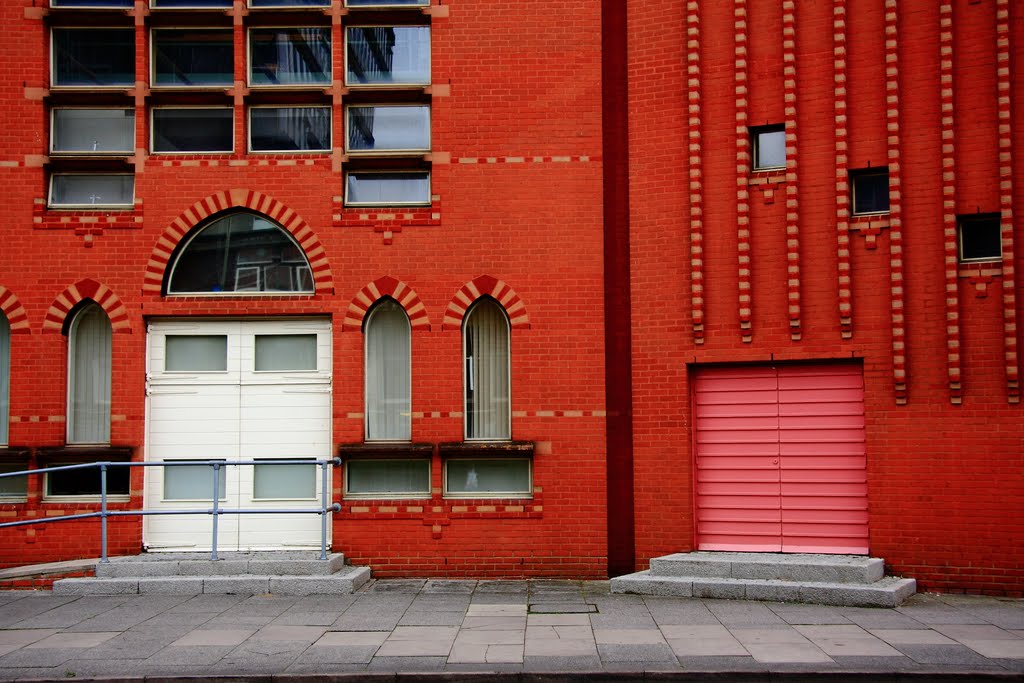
<point>392,85</point>
<point>152,130</point>
<point>89,207</point>
<point>412,151</point>
<point>152,59</point>
<point>286,86</point>
<point>856,173</point>
<point>366,380</point>
<point>466,378</point>
<point>447,493</point>
<point>53,60</point>
<point>89,153</point>
<point>389,495</point>
<point>430,188</point>
<point>69,402</point>
<point>330,129</point>
<point>970,218</point>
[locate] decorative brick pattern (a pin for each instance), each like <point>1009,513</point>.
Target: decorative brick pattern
<point>86,224</point>
<point>842,170</point>
<point>245,199</point>
<point>696,170</point>
<point>557,159</point>
<point>388,222</point>
<point>485,285</point>
<point>12,309</point>
<point>80,291</point>
<point>382,287</point>
<point>792,199</point>
<point>893,142</point>
<point>743,161</point>
<point>1006,200</point>
<point>953,365</point>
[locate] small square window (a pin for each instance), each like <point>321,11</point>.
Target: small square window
<point>870,188</point>
<point>388,129</point>
<point>488,478</point>
<point>290,129</point>
<point>92,131</point>
<point>193,130</point>
<point>387,55</point>
<point>980,237</point>
<point>769,143</point>
<point>294,57</point>
<point>378,188</point>
<point>92,190</point>
<point>387,478</point>
<point>93,57</point>
<point>13,488</point>
<point>192,58</point>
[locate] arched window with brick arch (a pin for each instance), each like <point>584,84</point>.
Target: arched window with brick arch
<point>485,343</point>
<point>89,375</point>
<point>5,377</point>
<point>239,252</point>
<point>388,372</point>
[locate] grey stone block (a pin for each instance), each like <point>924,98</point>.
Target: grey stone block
<point>241,585</point>
<point>122,569</point>
<point>691,564</point>
<point>212,568</point>
<point>171,585</point>
<point>776,591</point>
<point>309,585</point>
<point>272,565</point>
<point>646,584</point>
<point>771,566</point>
<point>723,589</point>
<point>93,586</point>
<point>889,592</point>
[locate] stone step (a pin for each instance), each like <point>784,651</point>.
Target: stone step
<point>345,580</point>
<point>269,563</point>
<point>854,569</point>
<point>886,592</point>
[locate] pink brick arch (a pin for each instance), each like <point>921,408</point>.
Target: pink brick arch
<point>397,290</point>
<point>12,309</point>
<point>238,199</point>
<point>57,315</point>
<point>485,285</point>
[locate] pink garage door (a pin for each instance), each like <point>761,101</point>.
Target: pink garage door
<point>781,459</point>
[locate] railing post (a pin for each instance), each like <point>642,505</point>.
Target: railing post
<point>103,513</point>
<point>323,515</point>
<point>216,514</point>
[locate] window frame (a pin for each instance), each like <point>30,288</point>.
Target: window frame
<point>962,219</point>
<point>449,494</point>
<point>465,377</point>
<point>152,59</point>
<point>69,401</point>
<point>126,5</point>
<point>89,153</point>
<point>392,85</point>
<point>289,6</point>
<point>872,171</point>
<point>426,493</point>
<point>366,375</point>
<point>89,86</point>
<point>153,6</point>
<point>248,132</point>
<point>325,85</point>
<point>349,172</point>
<point>755,132</point>
<point>165,107</point>
<point>402,152</point>
<point>6,467</point>
<point>88,207</point>
<point>389,5</point>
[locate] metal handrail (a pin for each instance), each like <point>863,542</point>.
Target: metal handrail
<point>216,511</point>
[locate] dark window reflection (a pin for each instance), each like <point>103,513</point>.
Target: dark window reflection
<point>185,57</point>
<point>290,56</point>
<point>285,129</point>
<point>95,56</point>
<point>86,482</point>
<point>193,130</point>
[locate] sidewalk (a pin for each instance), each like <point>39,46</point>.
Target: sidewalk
<point>575,629</point>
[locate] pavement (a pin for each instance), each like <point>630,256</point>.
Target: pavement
<point>426,630</point>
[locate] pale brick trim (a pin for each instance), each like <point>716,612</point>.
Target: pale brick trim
<point>695,154</point>
<point>792,187</point>
<point>485,285</point>
<point>743,242</point>
<point>948,133</point>
<point>845,267</point>
<point>15,313</point>
<point>894,154</point>
<point>382,287</point>
<point>92,290</point>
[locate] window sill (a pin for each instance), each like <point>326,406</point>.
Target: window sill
<point>14,454</point>
<point>490,448</point>
<point>385,449</point>
<point>88,452</point>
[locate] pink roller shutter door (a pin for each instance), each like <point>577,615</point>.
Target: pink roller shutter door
<point>781,459</point>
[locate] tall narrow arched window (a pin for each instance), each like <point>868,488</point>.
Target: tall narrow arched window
<point>388,384</point>
<point>485,340</point>
<point>5,377</point>
<point>89,370</point>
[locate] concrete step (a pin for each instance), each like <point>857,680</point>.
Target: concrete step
<point>268,563</point>
<point>886,592</point>
<point>769,566</point>
<point>345,580</point>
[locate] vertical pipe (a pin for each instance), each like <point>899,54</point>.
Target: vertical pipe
<point>216,512</point>
<point>323,515</point>
<point>103,513</point>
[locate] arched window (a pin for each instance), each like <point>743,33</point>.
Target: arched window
<point>240,252</point>
<point>89,367</point>
<point>485,340</point>
<point>5,377</point>
<point>388,384</point>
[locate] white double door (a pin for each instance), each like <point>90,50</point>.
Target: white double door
<point>236,391</point>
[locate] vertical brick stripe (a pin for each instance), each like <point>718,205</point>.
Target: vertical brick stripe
<point>845,269</point>
<point>745,300</point>
<point>953,365</point>
<point>1006,200</point>
<point>792,190</point>
<point>896,269</point>
<point>696,170</point>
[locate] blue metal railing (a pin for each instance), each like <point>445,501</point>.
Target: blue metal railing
<point>215,510</point>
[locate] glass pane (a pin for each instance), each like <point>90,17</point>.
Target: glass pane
<point>189,57</point>
<point>387,374</point>
<point>240,252</point>
<point>13,487</point>
<point>770,149</point>
<point>92,190</point>
<point>95,131</point>
<point>95,56</point>
<point>92,3</point>
<point>287,129</point>
<point>486,373</point>
<point>193,130</point>
<point>284,481</point>
<point>193,482</point>
<point>89,376</point>
<point>284,352</point>
<point>981,239</point>
<point>388,128</point>
<point>289,3</point>
<point>382,189</point>
<point>290,56</point>
<point>488,476</point>
<point>5,376</point>
<point>388,476</point>
<point>386,3</point>
<point>870,193</point>
<point>86,482</point>
<point>196,353</point>
<point>388,55</point>
<point>190,3</point>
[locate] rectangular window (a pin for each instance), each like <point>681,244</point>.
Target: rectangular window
<point>387,3</point>
<point>487,478</point>
<point>290,56</point>
<point>93,57</point>
<point>126,4</point>
<point>384,129</point>
<point>13,488</point>
<point>193,130</point>
<point>769,147</point>
<point>196,353</point>
<point>193,482</point>
<point>289,3</point>
<point>870,187</point>
<point>387,55</point>
<point>190,4</point>
<point>86,481</point>
<point>92,191</point>
<point>290,129</point>
<point>284,482</point>
<point>92,131</point>
<point>192,58</point>
<point>387,478</point>
<point>285,352</point>
<point>980,237</point>
<point>372,188</point>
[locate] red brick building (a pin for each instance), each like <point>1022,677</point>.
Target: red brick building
<point>564,287</point>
